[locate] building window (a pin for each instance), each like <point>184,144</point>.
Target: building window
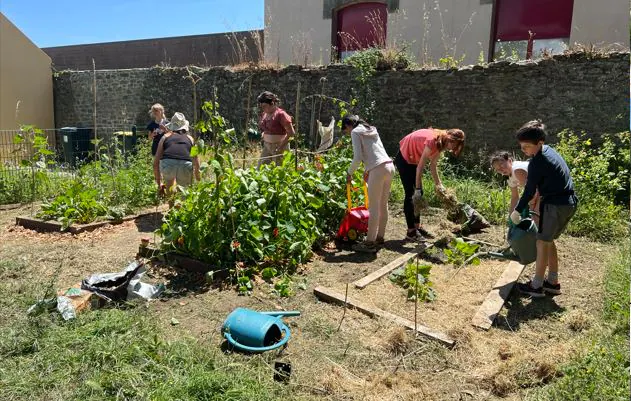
<point>360,26</point>
<point>549,21</point>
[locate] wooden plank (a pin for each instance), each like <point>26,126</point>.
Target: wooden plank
<point>496,298</point>
<point>377,274</point>
<point>10,206</point>
<point>329,295</point>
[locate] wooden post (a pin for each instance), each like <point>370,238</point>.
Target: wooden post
<point>247,121</point>
<point>94,110</point>
<point>297,126</point>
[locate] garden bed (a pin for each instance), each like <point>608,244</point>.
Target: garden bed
<point>179,260</point>
<point>458,296</point>
<point>53,226</point>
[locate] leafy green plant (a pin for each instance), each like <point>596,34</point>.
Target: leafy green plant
<point>33,145</point>
<point>271,216</point>
<point>415,278</point>
<point>450,61</point>
<point>244,285</point>
<point>107,188</point>
<point>601,177</point>
<point>460,251</point>
<point>283,287</point>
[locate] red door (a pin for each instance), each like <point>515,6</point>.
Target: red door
<point>361,26</point>
<point>549,20</point>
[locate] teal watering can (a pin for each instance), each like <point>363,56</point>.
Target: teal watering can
<point>254,331</point>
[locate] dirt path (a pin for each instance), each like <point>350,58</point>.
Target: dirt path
<point>366,359</point>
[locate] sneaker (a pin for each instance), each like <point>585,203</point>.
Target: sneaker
<point>415,236</point>
<point>553,289</point>
<point>526,288</point>
<point>425,233</point>
<point>365,247</point>
<point>380,241</point>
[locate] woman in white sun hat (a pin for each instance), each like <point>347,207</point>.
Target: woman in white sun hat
<point>173,161</point>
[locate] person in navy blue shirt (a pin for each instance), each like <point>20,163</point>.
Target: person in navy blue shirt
<point>155,132</point>
<point>548,174</point>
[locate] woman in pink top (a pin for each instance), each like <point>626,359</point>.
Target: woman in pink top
<point>415,150</point>
<point>275,124</point>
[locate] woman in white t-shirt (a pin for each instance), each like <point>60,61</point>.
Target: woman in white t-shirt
<point>517,173</point>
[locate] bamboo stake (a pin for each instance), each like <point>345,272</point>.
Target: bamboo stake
<point>297,126</point>
<point>247,121</point>
<point>345,305</point>
<point>94,110</point>
<point>416,298</point>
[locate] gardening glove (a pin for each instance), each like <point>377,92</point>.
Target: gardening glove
<point>417,201</point>
<point>515,217</point>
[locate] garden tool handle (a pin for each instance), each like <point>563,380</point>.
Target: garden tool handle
<point>282,313</point>
<point>349,203</point>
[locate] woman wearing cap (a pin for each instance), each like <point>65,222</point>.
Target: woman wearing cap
<point>173,160</point>
<point>415,150</point>
<point>275,124</point>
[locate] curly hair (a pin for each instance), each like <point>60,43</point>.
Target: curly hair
<point>267,97</point>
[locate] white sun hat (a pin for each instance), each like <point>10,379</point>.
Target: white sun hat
<point>178,122</point>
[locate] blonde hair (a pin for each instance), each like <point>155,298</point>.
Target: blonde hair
<point>159,107</point>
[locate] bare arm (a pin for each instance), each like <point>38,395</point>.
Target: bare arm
<point>514,198</point>
<point>289,132</point>
<point>421,167</point>
<point>433,168</point>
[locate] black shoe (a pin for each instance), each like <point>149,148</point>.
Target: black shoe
<point>552,289</point>
<point>425,233</point>
<point>415,236</point>
<point>527,288</point>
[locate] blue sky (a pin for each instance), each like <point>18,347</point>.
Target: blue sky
<point>69,22</point>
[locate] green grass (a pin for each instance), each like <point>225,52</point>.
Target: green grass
<point>601,370</point>
<point>113,354</point>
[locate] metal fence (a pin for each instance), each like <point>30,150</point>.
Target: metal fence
<point>34,165</point>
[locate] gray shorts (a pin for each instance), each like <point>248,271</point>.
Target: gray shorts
<point>180,170</point>
<point>553,220</point>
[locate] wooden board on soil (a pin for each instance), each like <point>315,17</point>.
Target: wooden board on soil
<point>398,262</point>
<point>53,226</point>
<point>496,298</point>
<point>457,297</point>
<point>326,294</point>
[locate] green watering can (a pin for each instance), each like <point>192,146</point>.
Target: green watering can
<point>253,331</point>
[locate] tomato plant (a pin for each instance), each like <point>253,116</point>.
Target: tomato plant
<point>270,217</point>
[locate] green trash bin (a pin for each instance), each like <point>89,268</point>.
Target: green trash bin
<point>75,143</point>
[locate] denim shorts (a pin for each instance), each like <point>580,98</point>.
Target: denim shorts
<point>179,170</point>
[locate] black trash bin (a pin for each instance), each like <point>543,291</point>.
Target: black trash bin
<point>75,143</point>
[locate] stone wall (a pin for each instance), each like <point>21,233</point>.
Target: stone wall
<point>580,92</point>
